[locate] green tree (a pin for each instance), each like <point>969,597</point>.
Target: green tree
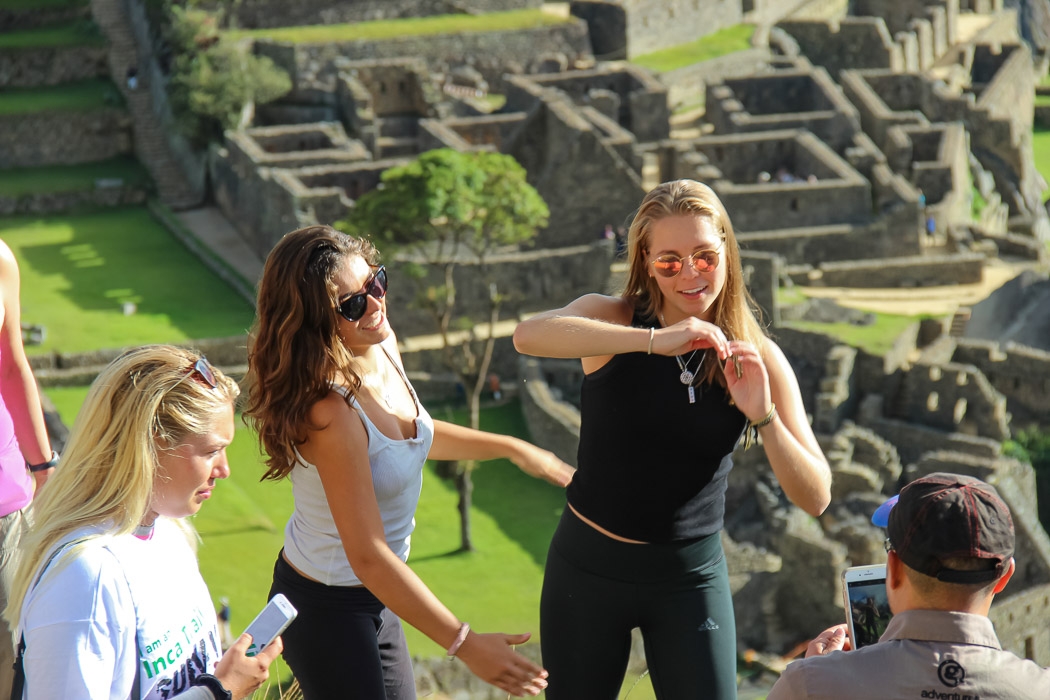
<point>214,82</point>
<point>443,210</point>
<point>1032,444</point>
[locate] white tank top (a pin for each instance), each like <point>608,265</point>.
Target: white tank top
<point>311,541</point>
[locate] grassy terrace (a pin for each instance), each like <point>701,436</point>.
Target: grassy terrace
<point>877,338</point>
<point>77,33</point>
<point>399,28</point>
<point>69,178</point>
<point>725,41</point>
<point>78,271</point>
<point>41,4</point>
<point>68,97</point>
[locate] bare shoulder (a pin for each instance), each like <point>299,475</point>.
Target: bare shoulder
<point>601,307</point>
<point>330,411</point>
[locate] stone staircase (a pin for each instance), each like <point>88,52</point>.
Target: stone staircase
<point>151,142</point>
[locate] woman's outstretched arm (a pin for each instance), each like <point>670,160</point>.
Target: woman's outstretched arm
<point>338,448</point>
<point>453,441</point>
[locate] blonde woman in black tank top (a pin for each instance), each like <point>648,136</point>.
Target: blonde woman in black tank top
<point>677,371</point>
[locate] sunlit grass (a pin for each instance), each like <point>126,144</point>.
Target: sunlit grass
<point>877,338</point>
<point>67,97</point>
<point>79,270</point>
<point>15,182</point>
<point>722,42</point>
<point>415,26</point>
<point>77,33</point>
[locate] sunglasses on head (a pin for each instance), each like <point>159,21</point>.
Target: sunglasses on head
<point>202,369</point>
<point>668,265</point>
<point>352,308</point>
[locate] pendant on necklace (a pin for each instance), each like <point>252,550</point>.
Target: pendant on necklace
<point>692,394</point>
<point>686,377</point>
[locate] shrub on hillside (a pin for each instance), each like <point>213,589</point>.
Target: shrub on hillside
<point>215,83</point>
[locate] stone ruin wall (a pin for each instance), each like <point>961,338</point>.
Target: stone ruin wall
<point>32,67</point>
<point>491,53</point>
<point>53,138</point>
<point>528,279</point>
<point>622,29</point>
<point>1019,372</point>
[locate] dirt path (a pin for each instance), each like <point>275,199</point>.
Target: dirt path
<point>923,300</point>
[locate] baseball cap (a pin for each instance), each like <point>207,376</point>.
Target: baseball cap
<point>949,515</point>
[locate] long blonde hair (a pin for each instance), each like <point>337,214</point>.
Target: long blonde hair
<point>142,403</point>
<point>295,351</point>
<point>734,311</point>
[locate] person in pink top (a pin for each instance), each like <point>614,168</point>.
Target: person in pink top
<point>26,457</point>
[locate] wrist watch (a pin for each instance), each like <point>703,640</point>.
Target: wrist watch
<point>53,462</point>
<point>214,685</point>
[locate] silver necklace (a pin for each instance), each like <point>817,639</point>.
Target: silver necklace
<point>687,377</point>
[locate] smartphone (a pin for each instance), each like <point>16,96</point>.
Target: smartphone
<point>269,623</point>
<point>867,607</point>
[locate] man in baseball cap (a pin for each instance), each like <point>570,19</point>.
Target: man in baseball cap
<point>949,552</point>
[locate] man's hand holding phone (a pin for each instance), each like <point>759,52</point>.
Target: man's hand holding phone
<point>832,639</point>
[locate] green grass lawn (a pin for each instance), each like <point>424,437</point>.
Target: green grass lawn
<point>68,97</point>
<point>15,182</point>
<point>41,4</point>
<point>415,26</point>
<point>76,33</point>
<point>78,270</point>
<point>722,42</point>
<point>1041,152</point>
<point>876,338</point>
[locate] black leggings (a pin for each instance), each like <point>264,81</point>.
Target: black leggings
<point>597,589</point>
<point>344,643</point>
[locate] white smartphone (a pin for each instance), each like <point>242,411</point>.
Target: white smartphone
<point>269,623</point>
<point>867,607</point>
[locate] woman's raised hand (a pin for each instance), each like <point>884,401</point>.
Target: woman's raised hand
<point>749,386</point>
<point>690,334</point>
<point>243,675</point>
<point>542,464</point>
<point>491,658</point>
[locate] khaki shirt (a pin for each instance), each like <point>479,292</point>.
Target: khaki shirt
<point>923,654</point>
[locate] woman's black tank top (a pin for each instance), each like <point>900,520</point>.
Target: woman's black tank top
<point>651,465</point>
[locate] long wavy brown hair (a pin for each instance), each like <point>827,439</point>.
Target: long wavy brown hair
<point>295,352</point>
<point>735,312</point>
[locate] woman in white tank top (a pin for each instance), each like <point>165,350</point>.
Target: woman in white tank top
<point>337,415</point>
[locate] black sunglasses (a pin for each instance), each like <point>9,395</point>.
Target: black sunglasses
<point>352,308</point>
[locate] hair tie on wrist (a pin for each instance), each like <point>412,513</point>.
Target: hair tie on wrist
<point>53,462</point>
<point>652,332</point>
<point>461,637</point>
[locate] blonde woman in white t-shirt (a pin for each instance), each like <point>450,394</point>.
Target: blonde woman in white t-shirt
<point>107,599</point>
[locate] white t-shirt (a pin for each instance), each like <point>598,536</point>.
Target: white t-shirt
<point>80,620</point>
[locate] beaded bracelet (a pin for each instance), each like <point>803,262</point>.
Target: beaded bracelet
<point>461,637</point>
<point>751,431</point>
<point>768,419</point>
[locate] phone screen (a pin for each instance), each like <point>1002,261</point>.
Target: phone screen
<point>869,610</point>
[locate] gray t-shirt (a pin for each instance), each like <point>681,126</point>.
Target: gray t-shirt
<point>922,654</point>
<point>311,542</point>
